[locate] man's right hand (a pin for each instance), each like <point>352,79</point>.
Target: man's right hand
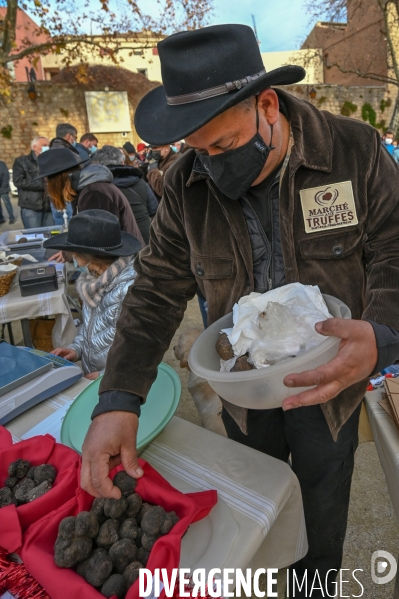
<point>110,441</point>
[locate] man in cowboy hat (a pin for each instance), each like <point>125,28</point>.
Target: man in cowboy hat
<point>275,192</point>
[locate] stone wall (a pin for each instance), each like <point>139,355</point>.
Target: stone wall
<point>55,104</point>
<point>354,101</point>
<point>58,103</point>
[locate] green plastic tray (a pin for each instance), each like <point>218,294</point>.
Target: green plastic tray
<point>161,404</point>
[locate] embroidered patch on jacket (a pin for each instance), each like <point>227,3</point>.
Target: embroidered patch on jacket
<point>329,207</point>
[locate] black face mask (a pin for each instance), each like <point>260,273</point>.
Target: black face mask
<point>234,171</point>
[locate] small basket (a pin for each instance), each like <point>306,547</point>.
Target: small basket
<point>5,282</point>
<point>16,261</point>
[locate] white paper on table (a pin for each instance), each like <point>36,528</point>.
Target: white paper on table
<point>27,257</point>
<point>50,425</point>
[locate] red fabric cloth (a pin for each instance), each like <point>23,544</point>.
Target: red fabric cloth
<point>39,450</point>
<point>38,548</point>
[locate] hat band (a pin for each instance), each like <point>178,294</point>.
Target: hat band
<point>89,247</point>
<point>219,90</point>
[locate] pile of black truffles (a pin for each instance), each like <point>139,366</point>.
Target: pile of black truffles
<point>26,483</point>
<point>109,544</point>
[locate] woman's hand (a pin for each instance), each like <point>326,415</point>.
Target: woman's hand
<point>58,257</point>
<point>92,376</point>
<point>67,353</point>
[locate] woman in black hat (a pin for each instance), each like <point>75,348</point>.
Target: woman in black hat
<point>91,187</point>
<point>104,256</point>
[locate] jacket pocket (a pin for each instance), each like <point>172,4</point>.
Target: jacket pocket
<point>211,267</point>
<point>331,246</point>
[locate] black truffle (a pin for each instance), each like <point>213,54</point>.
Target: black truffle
<point>143,555</point>
<point>74,542</point>
<point>134,505</point>
<point>125,483</point>
<point>97,507</point>
<point>148,541</point>
<point>44,472</point>
<point>6,497</point>
<point>153,520</point>
<point>242,364</point>
<point>96,568</point>
<point>11,481</point>
<point>67,527</point>
<point>39,491</point>
<point>31,472</point>
<point>132,572</point>
<point>22,489</point>
<point>145,508</point>
<point>224,347</point>
<point>129,530</point>
<point>170,520</point>
<point>19,468</point>
<point>115,585</point>
<point>113,508</point>
<point>122,553</point>
<point>108,534</point>
<point>86,525</point>
<point>77,551</point>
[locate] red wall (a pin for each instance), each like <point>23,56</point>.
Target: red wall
<point>26,30</point>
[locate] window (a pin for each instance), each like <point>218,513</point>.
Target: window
<point>143,72</point>
<point>137,52</point>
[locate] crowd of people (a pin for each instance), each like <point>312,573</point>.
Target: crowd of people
<point>125,181</point>
<point>96,193</point>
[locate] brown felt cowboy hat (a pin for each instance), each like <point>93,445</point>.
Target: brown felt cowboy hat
<point>205,72</point>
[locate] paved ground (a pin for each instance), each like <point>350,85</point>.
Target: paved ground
<point>372,524</point>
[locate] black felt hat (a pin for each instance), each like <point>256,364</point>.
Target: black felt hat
<point>205,72</point>
<point>57,160</point>
<point>95,232</point>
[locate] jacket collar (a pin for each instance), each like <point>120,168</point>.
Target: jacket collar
<point>312,135</point>
<point>312,138</point>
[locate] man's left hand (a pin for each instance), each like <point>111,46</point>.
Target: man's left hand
<point>356,359</point>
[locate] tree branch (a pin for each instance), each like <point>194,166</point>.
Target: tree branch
<point>53,44</point>
<point>367,75</point>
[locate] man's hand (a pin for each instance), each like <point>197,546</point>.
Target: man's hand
<point>66,352</point>
<point>355,361</point>
<point>110,441</point>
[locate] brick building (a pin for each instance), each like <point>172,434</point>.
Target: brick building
<point>356,45</point>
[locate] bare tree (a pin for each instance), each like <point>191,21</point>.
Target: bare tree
<point>375,23</point>
<point>69,26</point>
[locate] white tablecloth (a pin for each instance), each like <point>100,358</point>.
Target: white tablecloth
<point>386,437</point>
<point>15,307</point>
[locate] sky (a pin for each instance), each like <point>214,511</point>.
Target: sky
<point>281,24</point>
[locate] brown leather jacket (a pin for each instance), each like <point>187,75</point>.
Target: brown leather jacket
<point>200,237</point>
<point>156,176</point>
